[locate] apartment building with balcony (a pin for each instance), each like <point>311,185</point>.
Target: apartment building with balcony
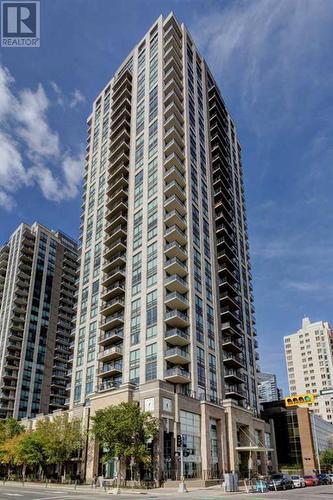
<point>309,360</point>
<point>37,288</point>
<point>165,307</point>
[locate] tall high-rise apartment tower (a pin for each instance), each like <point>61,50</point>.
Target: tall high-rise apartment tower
<point>37,288</point>
<point>309,359</point>
<point>165,306</point>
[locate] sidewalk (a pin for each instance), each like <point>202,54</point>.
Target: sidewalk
<point>86,488</point>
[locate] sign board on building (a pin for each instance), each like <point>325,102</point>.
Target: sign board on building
<point>326,392</point>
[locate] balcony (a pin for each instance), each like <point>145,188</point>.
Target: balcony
<point>120,182</point>
<point>112,321</point>
<point>176,266</point>
<point>233,360</point>
<point>176,300</point>
<point>119,232</point>
<point>174,109</point>
<point>175,283</point>
<point>118,246</point>
<point>175,174</point>
<point>112,306</point>
<point>233,376</point>
<point>112,336</point>
<point>227,312</point>
<point>174,147</point>
<point>117,260</point>
<point>176,336</point>
<point>173,160</point>
<point>235,392</point>
<point>174,249</point>
<point>117,274</point>
<point>110,369</point>
<point>177,375</point>
<point>175,75</point>
<point>173,233</point>
<point>174,189</point>
<point>173,95</point>
<point>121,207</point>
<point>110,354</point>
<point>176,318</point>
<point>172,42</point>
<point>232,344</point>
<point>119,220</point>
<point>173,122</point>
<point>177,356</point>
<point>174,203</point>
<point>115,289</point>
<point>116,196</point>
<point>175,218</point>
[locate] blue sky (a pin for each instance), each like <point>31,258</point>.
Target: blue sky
<point>273,60</point>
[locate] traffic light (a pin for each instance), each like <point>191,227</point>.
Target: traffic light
<point>299,399</point>
<point>179,440</point>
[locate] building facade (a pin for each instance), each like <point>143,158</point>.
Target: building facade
<point>37,288</point>
<point>300,436</point>
<point>309,361</point>
<point>267,387</point>
<point>165,307</point>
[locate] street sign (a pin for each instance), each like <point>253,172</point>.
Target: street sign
<point>325,392</point>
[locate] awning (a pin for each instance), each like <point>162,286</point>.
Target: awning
<point>253,448</point>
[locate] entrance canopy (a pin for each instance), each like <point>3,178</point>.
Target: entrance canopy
<point>253,448</point>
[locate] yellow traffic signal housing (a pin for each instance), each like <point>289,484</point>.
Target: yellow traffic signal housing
<point>299,399</point>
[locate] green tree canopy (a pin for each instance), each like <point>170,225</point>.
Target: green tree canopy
<point>60,438</point>
<point>124,431</point>
<point>326,458</point>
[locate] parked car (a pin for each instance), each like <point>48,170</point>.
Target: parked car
<point>311,481</point>
<point>280,482</point>
<point>323,479</point>
<point>331,477</point>
<point>298,481</point>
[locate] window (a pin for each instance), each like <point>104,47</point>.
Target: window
<point>153,102</point>
<point>152,177</point>
<point>151,312</point>
<point>152,219</point>
<point>152,264</point>
<point>151,362</point>
<point>136,273</point>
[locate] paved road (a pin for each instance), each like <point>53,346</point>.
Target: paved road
<point>12,492</point>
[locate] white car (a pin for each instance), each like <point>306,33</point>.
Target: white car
<point>298,481</point>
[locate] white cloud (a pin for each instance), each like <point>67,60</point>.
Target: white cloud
<point>269,54</point>
<point>12,172</point>
<point>77,98</point>
<point>6,97</point>
<point>6,201</point>
<point>35,156</point>
<point>35,131</point>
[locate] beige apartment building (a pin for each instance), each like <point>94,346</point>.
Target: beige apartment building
<point>37,287</point>
<point>165,311</point>
<point>309,362</point>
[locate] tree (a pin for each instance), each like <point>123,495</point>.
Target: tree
<point>124,431</point>
<point>10,431</point>
<point>29,451</point>
<point>326,458</point>
<point>60,438</point>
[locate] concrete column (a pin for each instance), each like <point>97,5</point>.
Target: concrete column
<point>205,442</point>
<point>92,459</point>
